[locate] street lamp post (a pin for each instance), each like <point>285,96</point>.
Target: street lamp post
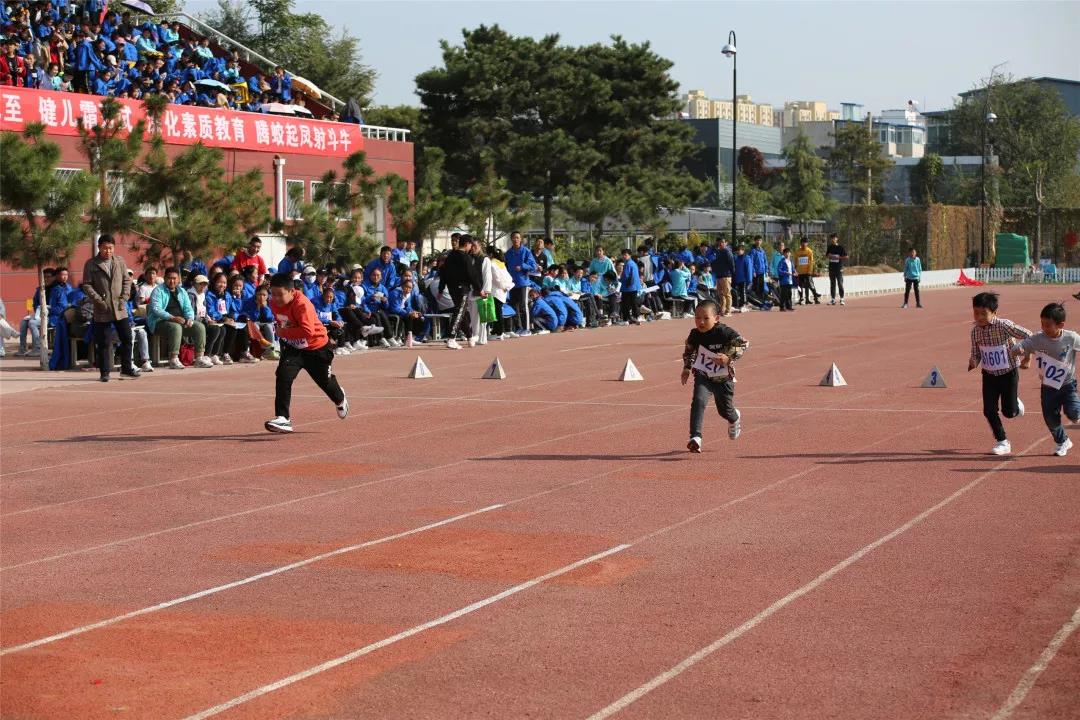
<point>729,51</point>
<point>989,120</point>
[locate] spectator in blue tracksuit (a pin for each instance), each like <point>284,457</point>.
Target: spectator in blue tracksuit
<point>385,264</point>
<point>744,275</point>
<point>281,84</point>
<point>58,300</point>
<point>630,286</point>
<point>785,271</point>
<point>568,311</point>
<point>405,303</point>
<point>685,255</point>
<point>542,314</point>
<point>520,262</point>
<point>376,303</point>
<point>774,261</point>
<point>311,289</point>
<point>293,262</point>
<point>555,302</point>
<point>761,267</point>
<point>257,310</point>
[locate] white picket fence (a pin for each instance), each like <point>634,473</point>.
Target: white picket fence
<point>1022,275</point>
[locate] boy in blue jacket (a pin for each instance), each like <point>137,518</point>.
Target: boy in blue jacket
<point>744,275</point>
<point>257,310</point>
<point>785,271</point>
<point>630,286</point>
<point>709,353</point>
<point>543,316</point>
<point>520,262</point>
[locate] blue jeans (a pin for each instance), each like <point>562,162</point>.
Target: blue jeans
<point>1054,402</point>
<point>31,324</point>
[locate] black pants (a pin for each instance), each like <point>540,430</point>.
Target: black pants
<point>759,285</point>
<point>519,299</point>
<point>589,309</point>
<point>1000,389</point>
<point>836,281</point>
<point>723,394</point>
<point>460,295</point>
<point>497,327</point>
<point>785,297</point>
<point>317,363</point>
<point>908,284</point>
<point>101,345</point>
<point>738,292</point>
<point>806,286</point>
<point>237,340</point>
<point>628,305</point>
<point>215,339</point>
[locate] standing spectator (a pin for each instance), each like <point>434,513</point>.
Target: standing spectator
<point>912,276</point>
<point>804,266</point>
<point>458,275</point>
<point>6,331</point>
<point>630,286</point>
<point>761,267</point>
<point>483,270</point>
<point>744,275</point>
<point>249,257</point>
<point>169,315</point>
<point>723,266</point>
<point>281,84</point>
<point>520,262</point>
<point>836,255</point>
<point>774,261</point>
<point>386,265</point>
<point>785,271</point>
<point>106,282</point>
<point>293,263</point>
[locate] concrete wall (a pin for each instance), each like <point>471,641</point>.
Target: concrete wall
<point>892,282</point>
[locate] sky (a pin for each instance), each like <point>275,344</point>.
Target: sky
<point>878,54</point>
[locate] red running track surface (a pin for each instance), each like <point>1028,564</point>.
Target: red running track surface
<point>544,546</point>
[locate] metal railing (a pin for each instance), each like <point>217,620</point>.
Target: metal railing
<point>1046,274</point>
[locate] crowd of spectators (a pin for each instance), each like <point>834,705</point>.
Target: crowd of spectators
<point>205,315</point>
<point>87,47</point>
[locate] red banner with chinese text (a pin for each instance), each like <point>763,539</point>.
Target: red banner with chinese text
<point>183,124</point>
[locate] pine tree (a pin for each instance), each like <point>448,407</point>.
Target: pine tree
<point>43,217</point>
<point>801,193</point>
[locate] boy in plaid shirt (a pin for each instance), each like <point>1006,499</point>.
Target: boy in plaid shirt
<point>992,341</point>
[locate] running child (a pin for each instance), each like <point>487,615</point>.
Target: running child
<point>992,341</point>
<point>305,345</point>
<point>711,349</point>
<point>1055,356</point>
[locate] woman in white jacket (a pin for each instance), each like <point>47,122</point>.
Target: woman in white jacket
<point>502,283</point>
<point>479,334</point>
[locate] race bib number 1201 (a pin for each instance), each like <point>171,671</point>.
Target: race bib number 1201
<point>994,357</point>
<point>707,363</point>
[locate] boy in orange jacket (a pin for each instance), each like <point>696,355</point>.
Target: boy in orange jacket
<point>304,346</point>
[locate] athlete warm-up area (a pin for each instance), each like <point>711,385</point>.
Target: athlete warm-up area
<point>544,545</point>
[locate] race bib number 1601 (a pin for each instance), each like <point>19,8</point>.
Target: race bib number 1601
<point>994,357</point>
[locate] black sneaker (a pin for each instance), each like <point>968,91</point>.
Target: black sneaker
<point>104,378</point>
<point>132,373</point>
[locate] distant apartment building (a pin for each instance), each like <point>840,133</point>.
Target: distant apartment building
<point>900,132</point>
<point>698,106</point>
<point>797,112</point>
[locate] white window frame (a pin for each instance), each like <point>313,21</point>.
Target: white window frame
<point>292,209</point>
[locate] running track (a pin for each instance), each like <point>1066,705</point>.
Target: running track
<point>544,546</point>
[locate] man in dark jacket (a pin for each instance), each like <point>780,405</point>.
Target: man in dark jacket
<point>106,282</point>
<point>458,274</point>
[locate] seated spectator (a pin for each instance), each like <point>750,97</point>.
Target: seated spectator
<point>205,306</point>
<point>405,303</point>
<point>386,266</point>
<point>359,321</point>
<point>257,310</point>
<point>31,324</point>
<point>327,310</point>
<point>376,303</point>
<point>147,283</point>
<point>171,317</point>
<point>58,296</point>
<point>238,340</point>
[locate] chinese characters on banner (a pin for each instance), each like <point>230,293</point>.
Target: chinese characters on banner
<point>183,124</point>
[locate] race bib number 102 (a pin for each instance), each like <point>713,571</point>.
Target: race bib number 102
<point>1053,371</point>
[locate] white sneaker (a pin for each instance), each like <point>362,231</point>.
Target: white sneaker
<point>279,425</point>
<point>341,351</point>
<point>543,332</point>
<point>496,338</point>
<point>343,409</point>
<point>472,342</point>
<point>1063,448</point>
<point>226,359</point>
<point>248,358</point>
<point>481,342</point>
<point>904,306</point>
<point>383,342</point>
<point>370,330</point>
<point>452,344</point>
<point>175,364</point>
<point>1002,448</point>
<point>509,335</point>
<point>216,360</point>
<point>147,366</point>
<point>360,347</point>
<point>396,343</point>
<point>1020,404</point>
<point>735,428</point>
<point>203,362</point>
<point>841,301</point>
<point>694,445</point>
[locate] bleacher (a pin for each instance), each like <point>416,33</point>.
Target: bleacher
<point>85,48</point>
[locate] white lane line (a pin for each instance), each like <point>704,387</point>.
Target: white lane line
<point>244,581</point>
<point>308,561</point>
<point>673,672</point>
<point>1032,675</point>
<point>258,692</point>
<point>795,357</point>
<point>586,347</point>
<point>415,630</point>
